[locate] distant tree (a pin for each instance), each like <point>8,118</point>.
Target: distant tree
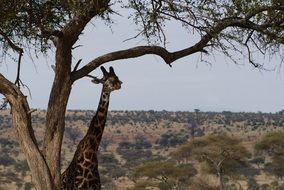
<point>274,184</point>
<point>280,187</point>
<point>7,160</point>
<point>111,166</point>
<point>272,145</point>
<point>202,183</point>
<point>281,112</point>
<point>124,145</point>
<point>219,155</point>
<point>240,27</point>
<point>73,133</point>
<point>28,186</point>
<point>141,185</point>
<point>169,174</point>
<point>134,154</point>
<point>258,160</point>
<point>172,139</point>
<point>141,142</point>
<point>106,141</point>
<point>252,184</point>
<point>265,187</point>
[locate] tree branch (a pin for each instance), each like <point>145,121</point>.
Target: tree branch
<point>18,80</point>
<point>137,52</point>
<point>168,57</point>
<point>74,28</point>
<point>19,50</point>
<point>77,65</point>
<point>21,114</point>
<point>262,9</point>
<point>11,43</point>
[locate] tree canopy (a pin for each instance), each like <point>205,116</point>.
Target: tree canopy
<point>167,173</point>
<point>231,27</point>
<point>225,26</point>
<point>220,155</point>
<point>272,145</point>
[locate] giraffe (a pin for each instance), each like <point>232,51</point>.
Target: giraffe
<point>82,173</point>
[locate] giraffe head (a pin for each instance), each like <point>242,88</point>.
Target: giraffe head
<point>110,81</point>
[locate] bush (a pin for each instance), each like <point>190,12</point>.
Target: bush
<point>73,133</point>
<point>252,185</point>
<point>171,139</point>
<point>28,186</point>
<point>6,160</point>
<point>107,158</point>
<point>21,166</point>
<point>202,184</point>
<point>166,185</point>
<point>258,160</point>
<point>280,187</point>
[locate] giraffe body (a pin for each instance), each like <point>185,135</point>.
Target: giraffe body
<point>82,173</point>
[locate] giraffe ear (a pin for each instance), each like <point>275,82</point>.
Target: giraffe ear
<point>111,71</point>
<point>104,71</point>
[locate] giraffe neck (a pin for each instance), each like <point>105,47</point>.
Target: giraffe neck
<point>82,173</point>
<point>97,125</point>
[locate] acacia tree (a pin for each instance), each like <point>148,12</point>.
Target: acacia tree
<point>220,155</point>
<point>168,174</point>
<point>232,27</point>
<point>271,145</point>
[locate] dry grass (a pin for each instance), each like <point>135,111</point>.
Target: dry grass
<point>127,132</point>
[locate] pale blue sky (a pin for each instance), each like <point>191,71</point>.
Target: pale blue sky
<point>148,83</point>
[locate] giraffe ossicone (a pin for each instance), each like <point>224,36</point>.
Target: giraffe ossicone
<point>82,173</point>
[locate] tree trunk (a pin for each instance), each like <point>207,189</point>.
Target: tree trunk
<point>21,116</point>
<point>220,176</point>
<point>55,118</point>
<point>61,88</point>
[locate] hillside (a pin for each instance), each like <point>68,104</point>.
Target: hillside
<point>158,133</point>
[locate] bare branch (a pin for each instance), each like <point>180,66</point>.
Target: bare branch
<point>77,65</point>
<point>76,47</point>
<point>17,81</point>
<point>145,32</point>
<point>20,51</point>
<point>256,65</point>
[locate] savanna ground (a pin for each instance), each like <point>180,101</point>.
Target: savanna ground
<point>132,138</point>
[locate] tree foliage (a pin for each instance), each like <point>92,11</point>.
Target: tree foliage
<point>228,25</point>
<point>220,155</point>
<point>172,139</point>
<point>272,145</point>
<point>168,173</point>
<point>31,24</point>
<point>216,148</point>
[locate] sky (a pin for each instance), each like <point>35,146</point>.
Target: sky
<point>150,84</point>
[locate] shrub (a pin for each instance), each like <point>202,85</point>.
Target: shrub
<point>6,160</point>
<point>28,186</point>
<point>171,139</point>
<point>252,184</point>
